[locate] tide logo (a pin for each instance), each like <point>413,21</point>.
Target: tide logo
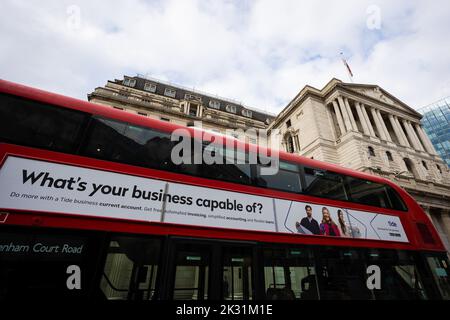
<point>392,224</point>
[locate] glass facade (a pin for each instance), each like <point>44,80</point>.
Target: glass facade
<point>436,123</point>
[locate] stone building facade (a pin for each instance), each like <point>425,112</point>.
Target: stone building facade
<point>168,102</point>
<point>365,128</point>
<point>358,126</point>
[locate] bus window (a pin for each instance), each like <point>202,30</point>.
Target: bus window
<point>118,141</point>
<point>440,270</point>
<point>289,274</point>
<point>368,192</point>
<point>341,274</point>
<point>191,272</point>
<point>234,166</point>
<point>39,125</point>
<point>400,279</point>
<point>325,184</point>
<point>130,269</point>
<point>237,274</point>
<point>374,194</point>
<point>396,201</point>
<point>287,178</point>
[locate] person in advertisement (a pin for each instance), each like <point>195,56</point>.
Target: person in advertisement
<point>308,223</point>
<point>343,226</point>
<point>328,227</point>
<point>346,229</point>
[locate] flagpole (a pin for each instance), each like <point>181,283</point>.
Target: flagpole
<point>347,67</point>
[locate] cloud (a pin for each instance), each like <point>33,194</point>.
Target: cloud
<point>258,52</point>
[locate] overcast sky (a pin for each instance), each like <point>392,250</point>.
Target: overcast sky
<point>258,52</point>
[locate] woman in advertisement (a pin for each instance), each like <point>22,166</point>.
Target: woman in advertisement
<point>347,230</point>
<point>328,227</point>
<point>344,227</point>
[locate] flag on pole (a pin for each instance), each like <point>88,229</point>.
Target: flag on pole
<point>347,66</point>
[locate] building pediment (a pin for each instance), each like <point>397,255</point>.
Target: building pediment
<point>381,95</point>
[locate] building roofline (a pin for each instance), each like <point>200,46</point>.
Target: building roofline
<point>204,93</point>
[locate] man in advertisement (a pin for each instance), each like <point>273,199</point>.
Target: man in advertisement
<point>308,225</point>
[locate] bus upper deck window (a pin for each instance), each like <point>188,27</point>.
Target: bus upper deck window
<point>326,184</point>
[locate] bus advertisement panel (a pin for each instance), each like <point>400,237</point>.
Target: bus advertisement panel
<point>36,185</point>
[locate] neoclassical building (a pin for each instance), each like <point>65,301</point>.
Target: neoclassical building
<point>363,127</point>
<point>358,126</point>
<point>173,103</point>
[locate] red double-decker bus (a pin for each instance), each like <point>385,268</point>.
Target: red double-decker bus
<point>93,206</point>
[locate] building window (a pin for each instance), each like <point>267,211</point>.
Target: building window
<point>230,108</point>
<point>389,156</point>
<point>118,108</point>
<point>246,113</point>
<point>151,87</point>
<point>409,166</point>
<point>290,144</point>
<point>214,104</point>
<point>189,96</point>
<point>170,92</point>
<point>424,164</point>
<point>129,82</point>
<point>439,168</point>
<point>142,113</point>
<point>371,151</point>
<point>190,124</point>
<point>165,119</point>
<point>193,108</point>
<point>288,123</point>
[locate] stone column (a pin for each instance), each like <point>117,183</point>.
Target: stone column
<point>405,139</point>
<point>410,133</point>
<point>366,117</point>
<point>383,125</point>
<point>396,130</point>
<point>362,119</point>
<point>426,141</point>
<point>347,121</point>
<point>439,222</point>
<point>350,114</point>
<point>378,123</point>
<point>419,143</point>
<point>445,217</point>
<point>339,117</point>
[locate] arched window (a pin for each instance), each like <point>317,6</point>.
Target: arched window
<point>424,164</point>
<point>439,168</point>
<point>291,142</point>
<point>371,151</point>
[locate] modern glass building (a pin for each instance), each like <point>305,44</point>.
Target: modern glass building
<point>436,123</point>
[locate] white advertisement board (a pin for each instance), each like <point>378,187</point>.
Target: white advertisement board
<point>27,184</point>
